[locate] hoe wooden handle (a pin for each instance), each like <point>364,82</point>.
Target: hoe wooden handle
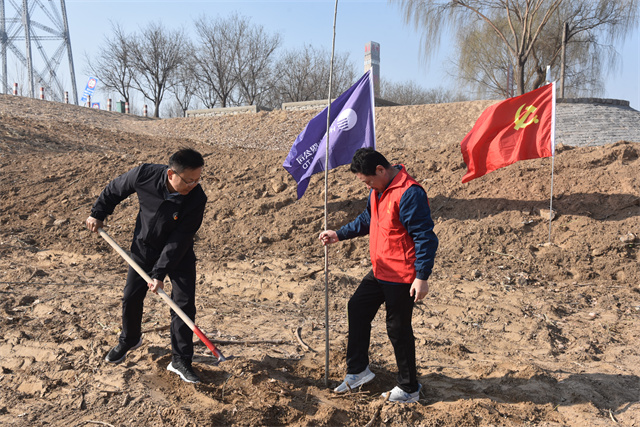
<point>163,295</point>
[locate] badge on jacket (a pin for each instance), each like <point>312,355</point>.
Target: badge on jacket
<point>175,216</point>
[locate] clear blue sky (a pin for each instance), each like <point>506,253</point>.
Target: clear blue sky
<point>311,22</point>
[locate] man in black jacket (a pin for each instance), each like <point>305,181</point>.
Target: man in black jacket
<point>172,206</point>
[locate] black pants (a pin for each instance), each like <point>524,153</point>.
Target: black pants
<point>362,308</point>
<point>183,290</point>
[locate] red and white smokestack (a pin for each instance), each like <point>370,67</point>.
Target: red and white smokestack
<point>15,88</point>
<point>126,107</point>
<point>41,92</point>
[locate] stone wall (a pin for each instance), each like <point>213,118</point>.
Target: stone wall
<point>225,111</point>
<point>584,122</point>
<point>321,104</point>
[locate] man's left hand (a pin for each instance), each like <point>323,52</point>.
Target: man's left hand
<point>419,289</point>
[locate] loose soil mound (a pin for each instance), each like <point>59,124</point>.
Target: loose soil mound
<point>517,329</point>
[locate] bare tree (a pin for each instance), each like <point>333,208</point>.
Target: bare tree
<point>184,86</point>
<point>303,75</point>
<point>483,62</point>
<point>156,55</point>
<point>296,76</point>
<point>411,93</point>
<point>172,108</point>
<point>523,29</point>
<point>217,56</point>
<point>112,66</point>
<point>254,64</point>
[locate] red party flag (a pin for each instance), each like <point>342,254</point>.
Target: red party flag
<point>519,128</point>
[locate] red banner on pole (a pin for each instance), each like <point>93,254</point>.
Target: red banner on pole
<point>519,128</point>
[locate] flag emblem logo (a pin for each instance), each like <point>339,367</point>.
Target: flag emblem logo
<point>347,119</point>
<point>521,122</point>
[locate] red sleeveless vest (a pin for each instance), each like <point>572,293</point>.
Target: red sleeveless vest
<point>392,250</point>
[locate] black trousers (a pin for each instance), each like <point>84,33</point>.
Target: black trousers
<point>183,291</point>
<point>362,309</point>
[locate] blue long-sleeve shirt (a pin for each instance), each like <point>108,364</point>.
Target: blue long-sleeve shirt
<point>415,215</point>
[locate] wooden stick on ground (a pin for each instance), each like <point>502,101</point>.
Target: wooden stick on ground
<point>297,333</point>
<point>247,342</point>
<point>244,342</point>
<point>377,411</point>
<point>350,394</point>
<point>157,329</point>
<point>98,422</point>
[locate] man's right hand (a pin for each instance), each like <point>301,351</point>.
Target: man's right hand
<point>94,224</point>
<point>328,237</point>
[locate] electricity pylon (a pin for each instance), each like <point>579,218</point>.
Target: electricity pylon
<point>40,24</point>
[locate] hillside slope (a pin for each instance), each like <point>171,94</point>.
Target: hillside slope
<point>525,324</point>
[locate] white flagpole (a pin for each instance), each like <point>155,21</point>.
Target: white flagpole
<point>326,200</point>
<point>553,150</point>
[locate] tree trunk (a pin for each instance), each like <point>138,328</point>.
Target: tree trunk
<point>519,77</point>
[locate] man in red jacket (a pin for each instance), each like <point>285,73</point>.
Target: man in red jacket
<point>402,246</point>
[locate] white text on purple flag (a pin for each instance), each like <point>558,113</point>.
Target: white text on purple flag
<point>306,157</point>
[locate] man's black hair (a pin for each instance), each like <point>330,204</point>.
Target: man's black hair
<point>365,161</point>
<point>186,158</point>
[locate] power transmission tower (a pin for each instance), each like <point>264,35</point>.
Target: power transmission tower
<point>40,24</point>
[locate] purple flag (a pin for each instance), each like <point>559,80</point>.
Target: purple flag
<point>352,127</point>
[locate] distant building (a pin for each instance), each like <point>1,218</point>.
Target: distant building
<point>372,62</point>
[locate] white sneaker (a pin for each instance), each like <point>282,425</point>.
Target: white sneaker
<point>352,381</point>
<point>401,396</point>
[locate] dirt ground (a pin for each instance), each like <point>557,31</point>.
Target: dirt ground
<point>525,323</point>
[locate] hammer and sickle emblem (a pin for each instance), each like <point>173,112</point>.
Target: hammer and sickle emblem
<point>522,122</point>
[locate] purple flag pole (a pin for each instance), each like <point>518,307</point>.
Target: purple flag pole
<point>330,140</point>
<point>326,199</point>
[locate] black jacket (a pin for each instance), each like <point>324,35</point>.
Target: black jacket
<point>165,225</point>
